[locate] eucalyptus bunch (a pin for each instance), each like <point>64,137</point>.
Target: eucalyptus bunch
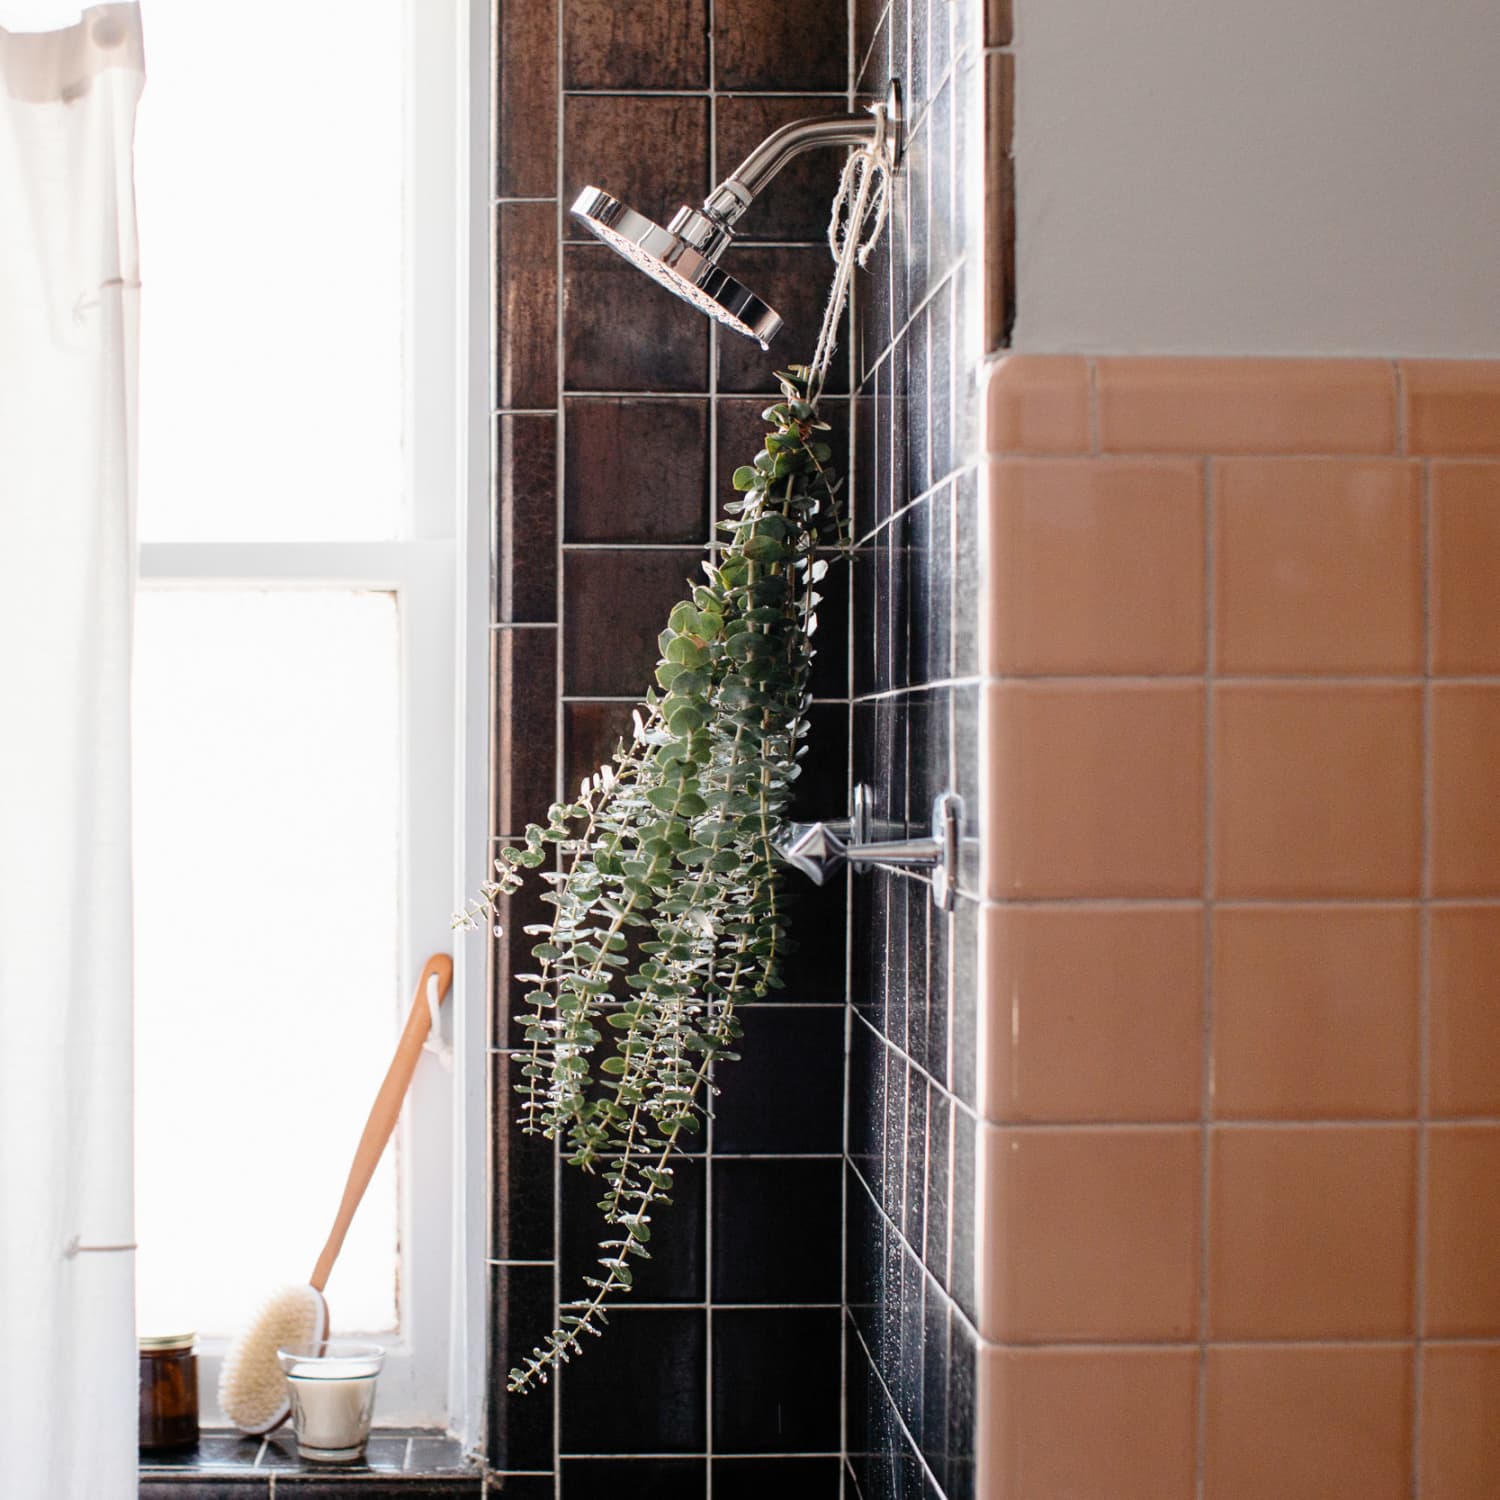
<point>668,912</point>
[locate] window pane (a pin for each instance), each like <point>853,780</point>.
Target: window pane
<point>268,166</point>
<point>267,778</point>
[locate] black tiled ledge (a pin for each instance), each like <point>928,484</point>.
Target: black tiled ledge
<point>413,1464</point>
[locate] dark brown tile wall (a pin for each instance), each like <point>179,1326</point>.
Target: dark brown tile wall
<point>932,306</point>
<point>619,414</point>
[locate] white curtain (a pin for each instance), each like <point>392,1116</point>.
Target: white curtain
<point>69,293</point>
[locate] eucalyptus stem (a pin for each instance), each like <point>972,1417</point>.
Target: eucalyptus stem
<point>667,904</point>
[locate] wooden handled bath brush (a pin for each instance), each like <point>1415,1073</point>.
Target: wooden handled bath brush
<point>252,1389</point>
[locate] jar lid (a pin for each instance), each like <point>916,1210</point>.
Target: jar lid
<point>161,1342</point>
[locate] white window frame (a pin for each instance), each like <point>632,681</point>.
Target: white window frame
<point>434,1371</point>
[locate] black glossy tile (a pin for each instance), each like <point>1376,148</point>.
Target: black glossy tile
<point>526,305</point>
<point>623,332</point>
<point>616,605</point>
<point>861,492</point>
<point>936,1311</point>
<point>830,669</point>
<point>648,44</point>
<point>814,970</point>
<point>864,1250</point>
<point>966,574</point>
<point>676,1271</point>
<point>919,375</point>
<point>193,1487</point>
<point>929,591</point>
<point>522,1486</point>
<point>649,151</point>
<point>914,1201</point>
<point>524,663</point>
<point>639,1478</point>
<point>213,1450</point>
<point>796,203</point>
<point>867,579</point>
<point>513,957</point>
<point>776,1380</point>
<point>795,281</point>
<point>895,616</point>
<point>962,1355</point>
<point>942,455</point>
<point>942,246</point>
<point>917,165</point>
<point>522,1188</point>
<point>939,1185</point>
<point>939,1020</point>
<point>867,1077</point>
<point>908,1385</point>
<point>871,300</point>
<point>525,558</point>
<point>639,1389</point>
<point>525,99</point>
<point>964,1005</point>
<point>869,28</point>
<point>754,46</point>
<point>522,1313</point>
<point>636,471</point>
<point>378,1487</point>
<point>964,770</point>
<point>793,1478</point>
<point>759,1205</point>
<point>591,731</point>
<point>893,1173</point>
<point>821,790</point>
<point>786,1092</point>
<point>961,1228</point>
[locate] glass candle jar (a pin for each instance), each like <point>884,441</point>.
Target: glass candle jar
<point>169,1392</point>
<point>332,1386</point>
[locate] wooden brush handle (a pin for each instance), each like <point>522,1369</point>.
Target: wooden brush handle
<point>384,1112</point>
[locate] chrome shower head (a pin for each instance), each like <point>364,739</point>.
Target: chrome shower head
<point>666,256</point>
<point>684,256</point>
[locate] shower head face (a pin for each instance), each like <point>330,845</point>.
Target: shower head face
<point>669,259</point>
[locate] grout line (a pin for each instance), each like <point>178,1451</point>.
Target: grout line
<point>1424,983</point>
<point>1205,1101</point>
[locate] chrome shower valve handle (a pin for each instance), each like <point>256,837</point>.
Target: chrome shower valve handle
<point>818,849</point>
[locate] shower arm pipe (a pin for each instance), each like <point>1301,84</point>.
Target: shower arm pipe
<point>708,229</point>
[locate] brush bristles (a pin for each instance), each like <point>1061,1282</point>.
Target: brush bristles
<point>252,1389</point>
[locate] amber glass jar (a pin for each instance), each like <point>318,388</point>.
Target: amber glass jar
<point>169,1392</point>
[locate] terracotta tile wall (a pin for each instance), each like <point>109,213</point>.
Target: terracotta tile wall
<point>1238,1150</point>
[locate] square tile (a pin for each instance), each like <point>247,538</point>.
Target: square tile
<point>1115,1424</point>
<point>1465,830</point>
<point>1089,1234</point>
<point>616,603</point>
<point>1460,1422</point>
<point>1308,1422</point>
<point>621,331</point>
<point>1092,790</point>
<point>646,1478</point>
<point>1317,790</point>
<point>1096,566</point>
<point>1316,1012</point>
<point>794,280</point>
<point>616,487</point>
<point>639,1389</point>
<point>797,1411</point>
<point>755,1478</point>
<point>794,205</point>
<point>1463,1017</point>
<point>522,1313</point>
<point>751,48</point>
<point>1466,568</point>
<point>650,44</point>
<point>648,150</point>
<point>1318,566</point>
<point>1463,1225</point>
<point>785,1095</point>
<point>1091,1014</point>
<point>1310,1233</point>
<point>760,1204</point>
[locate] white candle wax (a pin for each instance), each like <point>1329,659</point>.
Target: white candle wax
<point>331,1411</point>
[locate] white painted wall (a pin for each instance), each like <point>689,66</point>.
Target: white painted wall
<point>1258,176</point>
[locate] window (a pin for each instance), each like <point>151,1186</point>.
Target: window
<point>310,626</point>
